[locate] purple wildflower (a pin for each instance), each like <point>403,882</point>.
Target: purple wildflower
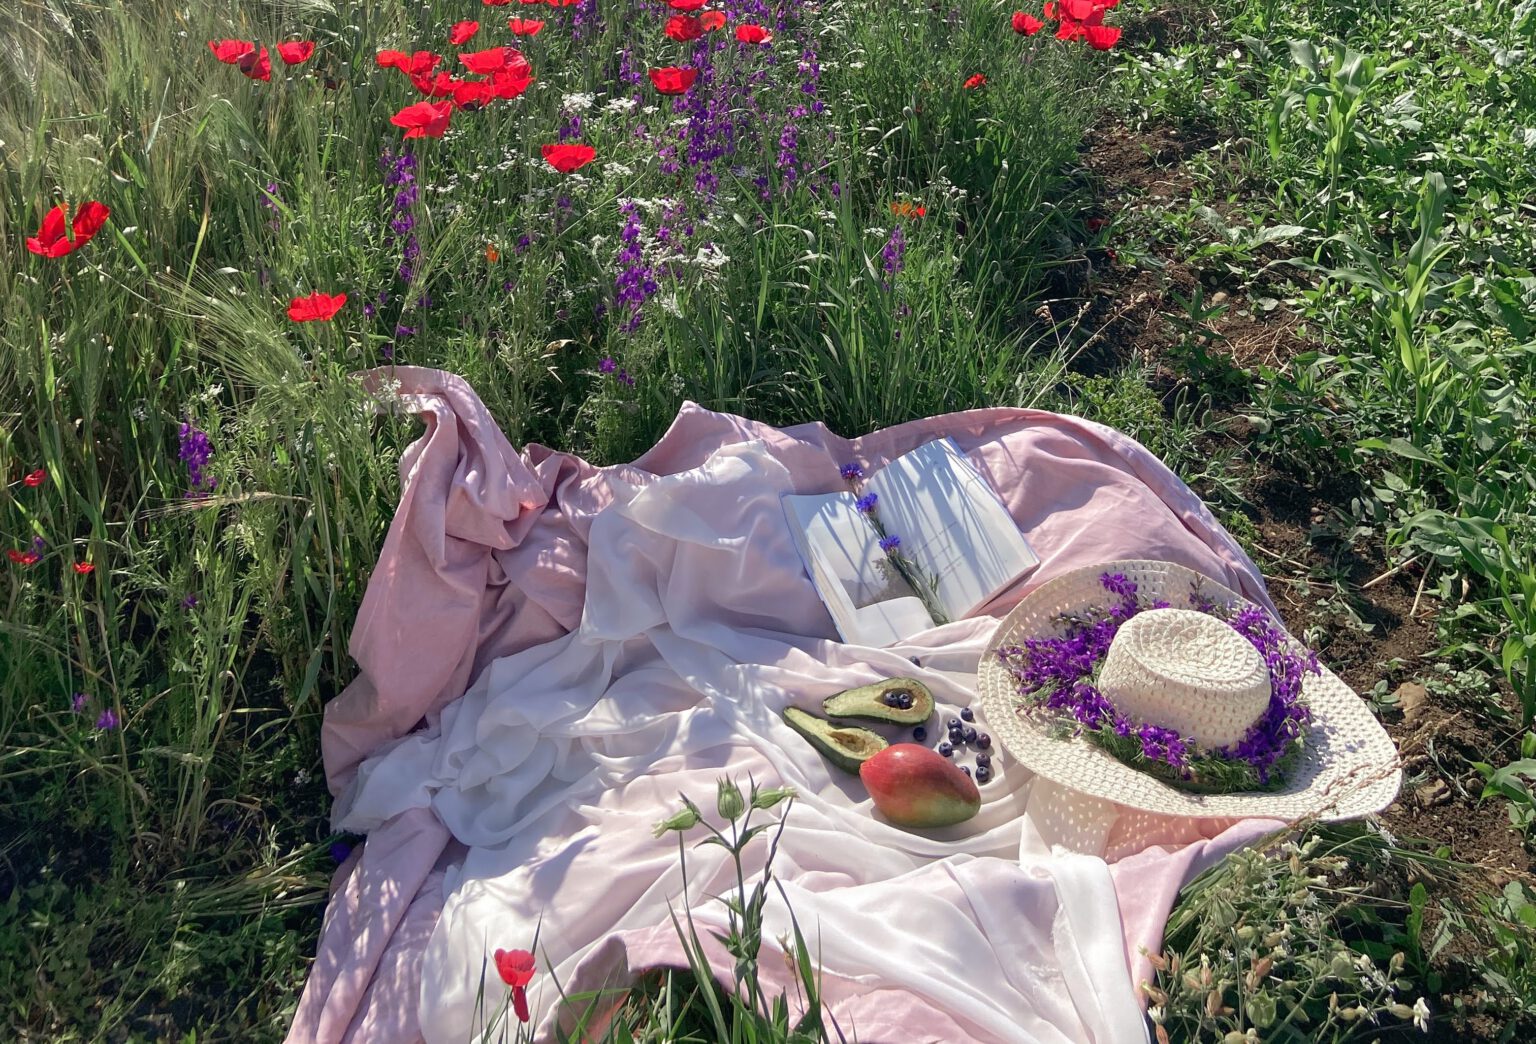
<point>635,282</point>
<point>851,471</point>
<point>78,701</point>
<point>107,721</point>
<point>608,365</point>
<point>189,602</point>
<point>893,255</point>
<point>340,850</point>
<point>890,543</point>
<point>194,451</point>
<point>867,503</point>
<point>624,378</point>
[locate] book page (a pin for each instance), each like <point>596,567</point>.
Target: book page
<point>952,525</point>
<point>869,601</point>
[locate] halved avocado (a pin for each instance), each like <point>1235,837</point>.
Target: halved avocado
<point>870,702</point>
<point>846,746</point>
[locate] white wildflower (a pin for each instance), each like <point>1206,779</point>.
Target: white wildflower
<point>576,102</point>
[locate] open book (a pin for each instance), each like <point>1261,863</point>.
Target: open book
<point>957,541</point>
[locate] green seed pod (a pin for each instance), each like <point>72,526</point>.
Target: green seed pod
<point>728,800</point>
<point>679,821</point>
<point>763,800</point>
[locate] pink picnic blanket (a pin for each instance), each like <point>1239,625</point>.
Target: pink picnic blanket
<point>552,652</point>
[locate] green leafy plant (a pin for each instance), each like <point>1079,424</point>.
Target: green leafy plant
<point>1329,92</point>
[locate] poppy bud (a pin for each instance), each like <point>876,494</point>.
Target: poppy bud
<point>728,800</point>
<point>766,799</point>
<point>678,821</point>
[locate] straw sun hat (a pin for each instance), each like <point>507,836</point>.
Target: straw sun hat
<point>1179,668</point>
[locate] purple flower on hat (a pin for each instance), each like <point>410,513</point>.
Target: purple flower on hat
<point>851,471</point>
<point>1057,672</point>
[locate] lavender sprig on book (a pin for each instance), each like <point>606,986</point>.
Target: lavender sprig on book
<point>926,587</point>
<point>919,542</point>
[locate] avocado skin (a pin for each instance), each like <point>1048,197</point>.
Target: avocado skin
<point>823,736</point>
<point>865,703</point>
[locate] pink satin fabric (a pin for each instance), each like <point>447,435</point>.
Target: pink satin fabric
<point>487,556</point>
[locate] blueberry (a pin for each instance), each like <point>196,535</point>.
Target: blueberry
<point>906,701</point>
<point>983,773</point>
<point>970,734</point>
<point>945,749</point>
<point>983,741</point>
<point>919,734</point>
<point>968,714</point>
<point>983,759</point>
<point>966,769</point>
<point>953,723</point>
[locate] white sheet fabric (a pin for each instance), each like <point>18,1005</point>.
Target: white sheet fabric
<point>699,628</point>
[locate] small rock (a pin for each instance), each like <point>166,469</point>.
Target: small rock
<point>1411,698</point>
<point>1435,792</point>
<point>1219,297</point>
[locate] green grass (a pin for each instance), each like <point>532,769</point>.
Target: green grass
<point>167,877</point>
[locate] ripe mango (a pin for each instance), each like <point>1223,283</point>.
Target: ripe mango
<point>913,786</point>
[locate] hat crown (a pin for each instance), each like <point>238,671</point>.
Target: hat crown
<point>1188,671</point>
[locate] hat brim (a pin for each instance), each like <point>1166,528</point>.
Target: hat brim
<point>1348,765</point>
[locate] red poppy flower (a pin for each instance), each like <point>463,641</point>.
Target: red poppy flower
<point>561,3</point>
<point>1050,9</point>
<point>83,568</point>
<point>488,61</point>
<point>50,240</point>
<point>315,307</point>
<point>753,34</point>
<point>257,66</point>
<point>511,81</point>
<point>1070,30</point>
<point>295,52</point>
<point>525,26</point>
<point>1077,10</point>
<point>975,81</point>
<point>569,157</point>
<point>436,85</point>
<point>712,20</point>
<point>683,28</point>
<point>462,31</point>
<point>230,51</point>
<point>35,478</point>
<point>424,119</point>
<point>411,64</point>
<point>1101,37</point>
<point>516,970</point>
<point>686,5</point>
<point>471,94</point>
<point>1026,24</point>
<point>673,79</point>
<point>1094,224</point>
<point>23,558</point>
